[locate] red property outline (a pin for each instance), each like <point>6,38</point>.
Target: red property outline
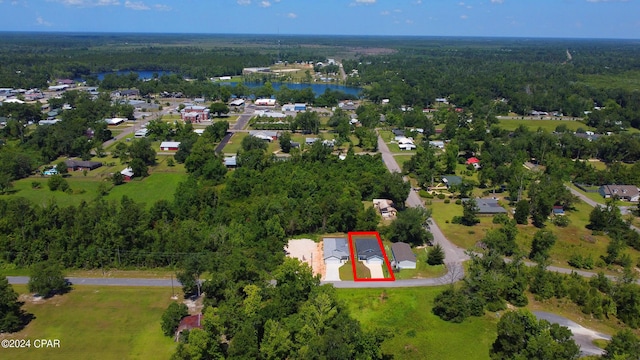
<point>354,256</point>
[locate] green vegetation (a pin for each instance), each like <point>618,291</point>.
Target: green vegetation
<point>127,320</point>
<point>547,125</point>
<point>412,331</point>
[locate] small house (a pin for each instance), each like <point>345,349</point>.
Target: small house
<point>403,256</point>
<point>558,210</point>
<point>385,208</point>
<point>264,135</point>
<point>127,173</point>
<point>77,165</point>
<point>451,180</point>
<point>188,323</point>
<point>623,192</point>
<point>169,145</point>
<point>369,251</point>
<point>231,161</point>
<point>488,207</point>
<point>335,250</point>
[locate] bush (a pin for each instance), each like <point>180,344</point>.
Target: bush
<point>441,196</point>
<point>500,219</point>
<point>172,316</point>
<point>458,202</point>
<point>425,194</point>
<point>56,182</point>
<point>456,220</point>
<point>447,201</point>
<point>581,262</point>
<point>36,184</point>
<point>561,221</point>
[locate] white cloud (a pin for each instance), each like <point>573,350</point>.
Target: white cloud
<point>384,13</point>
<point>43,22</point>
<point>497,1</point>
<point>136,5</point>
<point>265,4</point>
<point>89,3</point>
<point>602,1</point>
<point>162,7</point>
<point>366,2</point>
<point>408,21</point>
<point>464,17</point>
<point>244,2</point>
<point>292,15</point>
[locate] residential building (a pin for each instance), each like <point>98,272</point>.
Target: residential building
<point>623,192</point>
<point>403,256</point>
<point>335,250</point>
<point>369,251</point>
<point>169,145</point>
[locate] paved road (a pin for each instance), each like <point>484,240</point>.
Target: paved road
<point>623,209</point>
<point>453,253</point>
<point>240,124</point>
<point>583,336</point>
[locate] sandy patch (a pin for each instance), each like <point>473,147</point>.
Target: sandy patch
<point>308,252</point>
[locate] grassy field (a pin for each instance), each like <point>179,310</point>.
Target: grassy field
<point>159,185</point>
<point>628,80</point>
<point>573,239</point>
<point>346,272</point>
<point>548,125</point>
<point>414,332</point>
<point>94,322</point>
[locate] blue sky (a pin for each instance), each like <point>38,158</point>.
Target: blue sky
<point>514,18</point>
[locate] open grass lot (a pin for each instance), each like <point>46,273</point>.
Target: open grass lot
<point>346,271</point>
<point>156,187</point>
<point>235,143</point>
<point>159,185</point>
<point>593,196</point>
<point>414,332</point>
<point>401,159</point>
<point>573,239</point>
<point>98,323</point>
<point>548,125</point>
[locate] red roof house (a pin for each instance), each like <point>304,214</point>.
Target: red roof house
<point>473,160</point>
<point>188,323</point>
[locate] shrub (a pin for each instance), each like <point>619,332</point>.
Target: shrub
<point>500,219</point>
<point>447,201</point>
<point>456,220</point>
<point>561,221</point>
<point>581,262</point>
<point>36,184</point>
<point>170,162</point>
<point>425,194</point>
<point>441,196</point>
<point>458,202</point>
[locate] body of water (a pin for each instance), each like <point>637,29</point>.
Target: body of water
<point>318,89</point>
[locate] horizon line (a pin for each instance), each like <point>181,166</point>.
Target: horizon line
<point>79,32</point>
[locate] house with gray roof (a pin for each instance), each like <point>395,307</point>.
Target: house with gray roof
<point>368,250</point>
<point>488,207</point>
<point>403,256</point>
<point>623,192</point>
<point>335,250</point>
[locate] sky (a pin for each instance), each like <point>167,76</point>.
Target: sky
<point>617,19</point>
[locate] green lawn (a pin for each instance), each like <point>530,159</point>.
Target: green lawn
<point>548,125</point>
<point>159,185</point>
<point>413,331</point>
<point>422,270</point>
<point>94,322</point>
<point>156,187</point>
<point>401,159</point>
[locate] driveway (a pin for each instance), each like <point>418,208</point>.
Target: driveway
<point>376,270</point>
<point>583,336</point>
<point>332,272</point>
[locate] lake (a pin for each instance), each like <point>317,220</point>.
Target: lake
<point>318,89</point>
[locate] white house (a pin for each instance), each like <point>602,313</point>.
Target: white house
<point>403,257</point>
